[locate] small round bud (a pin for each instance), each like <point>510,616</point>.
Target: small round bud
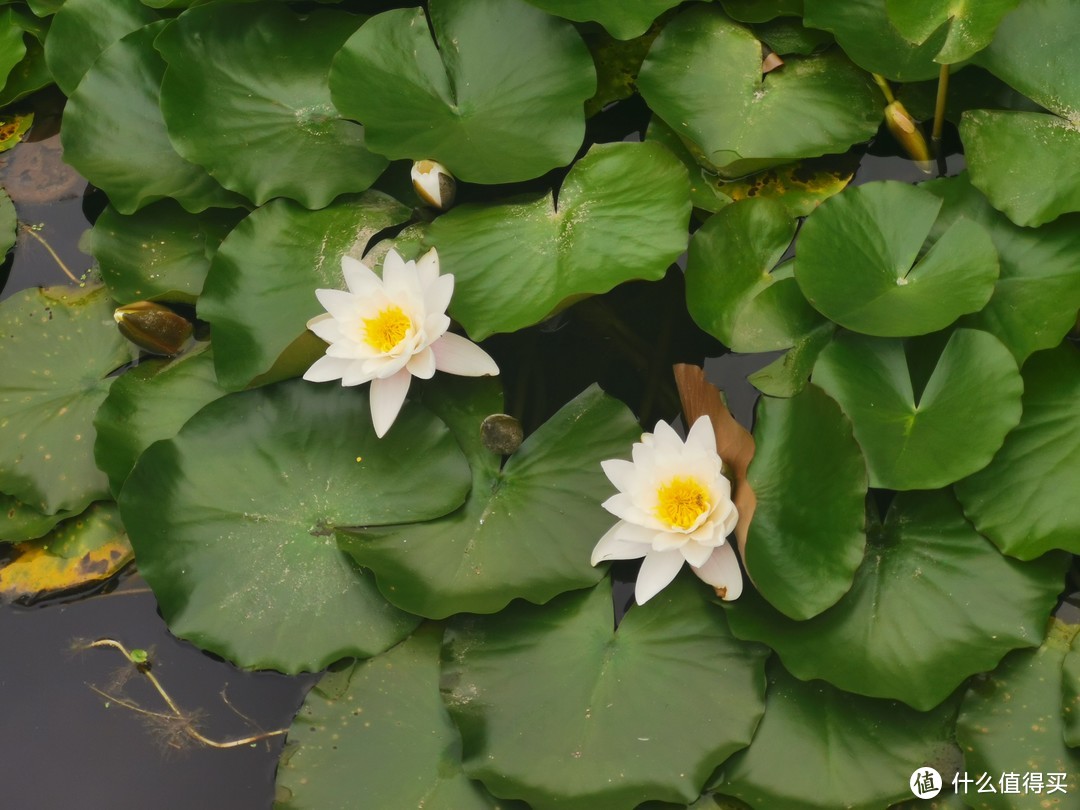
<point>153,327</point>
<point>434,183</point>
<point>501,433</point>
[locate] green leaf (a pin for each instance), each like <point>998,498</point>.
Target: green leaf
<point>259,79</point>
<point>12,47</point>
<point>861,262</point>
<point>732,291</point>
<point>703,77</point>
<point>151,402</point>
<point>622,214</point>
<point>1023,500</point>
<point>819,748</point>
<point>1038,293</point>
<point>9,222</point>
<point>83,29</point>
<point>30,74</point>
<point>807,537</point>
<point>756,11</point>
<point>114,134</point>
<point>59,345</point>
<point>233,521</point>
<point>614,717</point>
<point>622,20</point>
<point>527,528</point>
<point>930,438</point>
<point>260,292</point>
<point>1070,695</point>
<point>389,717</point>
<point>493,107</point>
<point>160,253</point>
<point>787,35</point>
<point>862,28</point>
<point>1040,180</point>
<point>19,522</point>
<point>919,617</point>
<point>787,375</point>
<point>1011,722</point>
<point>970,26</point>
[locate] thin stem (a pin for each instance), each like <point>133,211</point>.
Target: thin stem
<point>27,229</point>
<point>939,108</point>
<point>884,85</point>
<point>175,711</point>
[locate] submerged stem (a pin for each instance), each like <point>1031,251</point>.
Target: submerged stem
<point>884,85</point>
<point>27,229</point>
<point>939,108</point>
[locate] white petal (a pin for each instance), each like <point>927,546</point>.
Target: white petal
<point>666,541</point>
<point>657,571</point>
<point>326,327</point>
<point>614,547</point>
<point>721,571</point>
<point>632,533</point>
<point>356,374</point>
<point>702,436</point>
<point>428,268</point>
<point>457,355</point>
<point>327,368</point>
<point>624,506</point>
<point>696,554</point>
<point>666,439</point>
<point>359,278</point>
<point>340,304</point>
<point>387,397</point>
<point>435,327</point>
<point>383,367</point>
<point>422,364</point>
<point>437,293</point>
<point>392,265</point>
<point>621,473</point>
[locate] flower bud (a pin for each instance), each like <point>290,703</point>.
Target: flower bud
<point>906,131</point>
<point>434,183</point>
<point>501,433</point>
<point>153,327</point>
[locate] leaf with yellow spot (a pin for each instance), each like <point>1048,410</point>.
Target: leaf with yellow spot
<point>8,222</point>
<point>19,522</point>
<point>12,129</point>
<point>81,551</point>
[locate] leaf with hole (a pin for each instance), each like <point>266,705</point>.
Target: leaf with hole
<point>970,26</point>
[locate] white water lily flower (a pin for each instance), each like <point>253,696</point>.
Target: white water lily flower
<point>675,506</point>
<point>388,330</point>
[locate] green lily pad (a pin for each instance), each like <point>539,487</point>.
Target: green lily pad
<point>863,29</point>
<point>788,374</point>
<point>527,528</point>
<point>1024,500</point>
<point>493,108</point>
<point>59,345</point>
<point>835,749</point>
<point>788,35</point>
<point>605,726</point>
<point>19,522</point>
<point>703,77</point>
<point>1038,292</point>
<point>233,521</point>
<point>732,291</point>
<point>151,402</point>
<point>622,214</point>
<point>807,537</point>
<point>919,617</point>
<point>861,262</point>
<point>927,439</point>
<point>1011,722</point>
<point>1041,180</point>
<point>160,253</point>
<point>260,292</point>
<point>1070,695</point>
<point>9,222</point>
<point>29,75</point>
<point>970,26</point>
<point>621,19</point>
<point>388,715</point>
<point>12,47</point>
<point>259,79</point>
<point>756,11</point>
<point>127,152</point>
<point>83,29</point>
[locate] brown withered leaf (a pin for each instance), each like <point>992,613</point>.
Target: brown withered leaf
<point>733,442</point>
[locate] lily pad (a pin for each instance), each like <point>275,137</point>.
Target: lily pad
<point>868,37</point>
<point>1023,500</point>
<point>151,402</point>
<point>970,26</point>
<point>835,749</point>
<point>8,223</point>
<point>233,521</point>
<point>388,715</point>
<point>260,291</point>
<point>1011,721</point>
<point>59,344</point>
<point>527,527</point>
<point>1041,179</point>
<point>1037,295</point>
<point>703,77</point>
<point>82,29</point>
<point>81,551</point>
<point>161,253</point>
<point>127,153</point>
<point>930,438</point>
<point>621,19</point>
<point>19,522</point>
<point>756,11</point>
<point>788,374</point>
<point>261,81</point>
<point>732,291</point>
<point>808,533</point>
<point>919,617</point>
<point>605,727</point>
<point>12,47</point>
<point>493,108</point>
<point>861,262</point>
<point>622,214</point>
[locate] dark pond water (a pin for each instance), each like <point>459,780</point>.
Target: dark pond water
<point>62,744</point>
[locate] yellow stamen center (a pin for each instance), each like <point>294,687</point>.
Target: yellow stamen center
<point>387,329</point>
<point>681,501</point>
